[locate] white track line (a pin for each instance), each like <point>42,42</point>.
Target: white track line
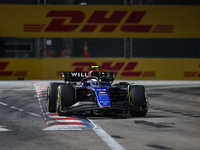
<point>13,107</point>
<point>2,129</point>
<point>1,103</point>
<point>34,114</point>
<point>106,137</point>
<point>19,109</point>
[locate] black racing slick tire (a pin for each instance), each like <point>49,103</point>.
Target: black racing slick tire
<point>65,98</point>
<point>51,96</point>
<point>138,99</point>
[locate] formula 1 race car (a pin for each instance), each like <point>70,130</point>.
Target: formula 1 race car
<point>94,93</point>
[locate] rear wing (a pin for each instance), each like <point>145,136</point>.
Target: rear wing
<point>74,76</point>
<point>78,76</point>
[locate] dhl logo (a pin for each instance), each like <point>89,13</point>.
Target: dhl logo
<point>4,73</point>
<point>123,20</point>
<point>192,73</point>
<point>119,68</point>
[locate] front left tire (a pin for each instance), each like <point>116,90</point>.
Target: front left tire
<point>51,96</point>
<point>65,98</point>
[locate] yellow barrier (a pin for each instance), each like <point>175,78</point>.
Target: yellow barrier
<point>130,69</point>
<point>99,21</point>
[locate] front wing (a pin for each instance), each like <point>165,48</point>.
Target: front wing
<point>84,106</point>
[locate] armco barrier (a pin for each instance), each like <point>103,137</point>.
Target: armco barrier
<point>130,69</point>
<point>99,21</point>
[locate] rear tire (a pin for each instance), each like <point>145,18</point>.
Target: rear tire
<point>138,99</point>
<point>51,96</point>
<point>65,98</point>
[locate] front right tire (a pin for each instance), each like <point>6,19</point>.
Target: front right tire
<point>138,99</point>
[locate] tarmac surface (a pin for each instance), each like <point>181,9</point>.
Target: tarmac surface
<point>172,121</point>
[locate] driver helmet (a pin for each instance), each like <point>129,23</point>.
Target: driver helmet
<point>94,73</point>
<point>93,82</point>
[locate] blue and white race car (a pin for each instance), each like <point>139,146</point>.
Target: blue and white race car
<point>94,93</point>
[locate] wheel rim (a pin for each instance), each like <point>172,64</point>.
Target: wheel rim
<point>58,101</point>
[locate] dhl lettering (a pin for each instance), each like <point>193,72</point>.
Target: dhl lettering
<point>69,21</point>
<point>136,17</point>
<point>108,66</point>
<point>57,25</point>
<point>80,66</point>
<point>20,74</point>
<point>3,66</point>
<point>99,17</point>
<point>136,28</point>
<point>4,73</point>
<point>129,67</point>
<point>192,73</point>
<point>127,70</point>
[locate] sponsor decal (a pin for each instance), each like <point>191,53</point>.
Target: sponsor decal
<point>102,92</point>
<point>104,21</point>
<point>3,73</point>
<point>124,69</point>
<point>78,74</point>
<point>192,73</point>
<point>100,89</point>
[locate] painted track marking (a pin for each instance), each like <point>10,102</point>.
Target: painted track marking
<point>1,103</point>
<point>52,120</point>
<point>19,109</point>
<point>114,145</point>
<point>2,129</point>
